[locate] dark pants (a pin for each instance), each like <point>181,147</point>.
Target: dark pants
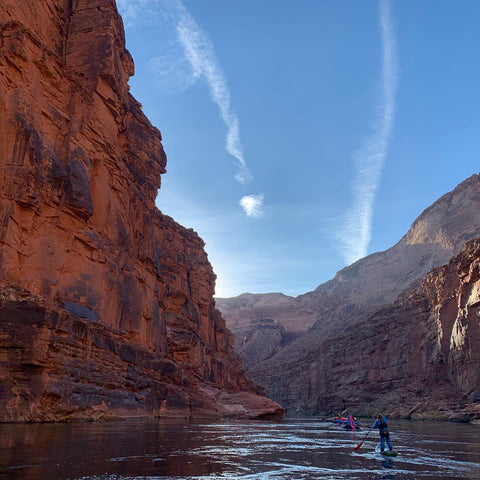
<point>385,436</point>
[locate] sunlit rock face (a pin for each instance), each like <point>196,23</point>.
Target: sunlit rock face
<point>106,305</point>
<point>418,356</point>
<point>354,296</point>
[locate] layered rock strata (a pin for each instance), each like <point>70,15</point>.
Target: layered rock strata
<point>355,294</point>
<point>106,306</point>
<point>420,354</point>
<point>264,323</point>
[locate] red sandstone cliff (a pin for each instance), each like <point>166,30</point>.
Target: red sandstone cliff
<point>106,305</point>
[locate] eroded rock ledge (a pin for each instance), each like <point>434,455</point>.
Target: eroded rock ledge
<point>106,306</point>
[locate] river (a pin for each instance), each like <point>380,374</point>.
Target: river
<point>291,449</point>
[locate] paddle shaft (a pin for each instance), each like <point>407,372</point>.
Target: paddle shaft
<point>364,438</point>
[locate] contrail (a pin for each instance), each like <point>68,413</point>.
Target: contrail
<point>200,54</point>
<point>369,160</point>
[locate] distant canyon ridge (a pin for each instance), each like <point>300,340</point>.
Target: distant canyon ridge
<point>106,304</point>
<point>397,331</point>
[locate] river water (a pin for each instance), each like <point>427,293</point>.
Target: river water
<point>291,449</point>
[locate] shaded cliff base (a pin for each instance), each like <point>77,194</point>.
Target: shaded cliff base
<point>58,367</point>
<point>432,408</point>
<point>419,404</point>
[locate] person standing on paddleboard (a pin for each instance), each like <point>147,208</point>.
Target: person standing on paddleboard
<point>382,426</point>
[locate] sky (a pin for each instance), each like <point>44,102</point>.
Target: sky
<point>302,136</point>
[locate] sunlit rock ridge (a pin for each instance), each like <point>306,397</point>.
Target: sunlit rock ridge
<point>106,305</point>
<point>388,331</point>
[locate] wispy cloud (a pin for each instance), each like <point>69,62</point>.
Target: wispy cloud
<point>240,266</point>
<point>197,62</point>
<point>134,11</point>
<point>253,205</point>
<point>369,160</point>
<point>201,56</point>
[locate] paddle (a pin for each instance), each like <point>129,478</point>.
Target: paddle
<point>364,438</point>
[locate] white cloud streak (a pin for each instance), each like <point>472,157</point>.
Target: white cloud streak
<point>133,11</point>
<point>171,73</point>
<point>356,233</point>
<point>199,52</point>
<point>252,204</point>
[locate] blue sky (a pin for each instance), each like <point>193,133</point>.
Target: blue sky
<point>301,136</point>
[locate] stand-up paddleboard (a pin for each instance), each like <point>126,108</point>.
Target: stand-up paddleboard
<point>385,453</point>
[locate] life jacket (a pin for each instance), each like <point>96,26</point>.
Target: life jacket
<point>383,425</point>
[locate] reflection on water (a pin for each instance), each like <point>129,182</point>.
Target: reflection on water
<point>292,449</point>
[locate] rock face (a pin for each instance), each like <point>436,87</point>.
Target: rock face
<point>356,293</point>
<point>418,355</point>
<point>264,323</point>
<point>106,305</point>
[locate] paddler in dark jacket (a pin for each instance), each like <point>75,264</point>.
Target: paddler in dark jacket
<point>382,426</point>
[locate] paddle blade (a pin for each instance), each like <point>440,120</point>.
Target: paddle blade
<point>358,446</point>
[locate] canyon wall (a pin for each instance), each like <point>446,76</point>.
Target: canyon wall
<point>417,357</point>
<point>106,305</point>
<point>284,329</point>
<point>264,323</point>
